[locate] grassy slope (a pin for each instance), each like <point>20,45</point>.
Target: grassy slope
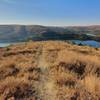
<point>49,71</point>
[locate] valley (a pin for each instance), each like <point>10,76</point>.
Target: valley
<point>22,33</point>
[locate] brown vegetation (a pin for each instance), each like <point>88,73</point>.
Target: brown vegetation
<point>49,71</point>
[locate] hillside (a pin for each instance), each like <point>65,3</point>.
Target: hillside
<point>49,71</point>
<point>18,33</point>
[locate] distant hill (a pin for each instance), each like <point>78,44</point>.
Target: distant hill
<point>17,33</point>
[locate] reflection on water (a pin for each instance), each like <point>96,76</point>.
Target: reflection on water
<point>78,42</point>
<point>8,44</point>
<point>4,44</point>
<point>89,42</point>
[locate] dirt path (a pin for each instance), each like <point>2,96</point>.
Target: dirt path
<point>46,85</point>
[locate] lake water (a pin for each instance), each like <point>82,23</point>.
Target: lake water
<point>89,43</point>
<point>78,42</point>
<point>7,44</point>
<point>4,44</point>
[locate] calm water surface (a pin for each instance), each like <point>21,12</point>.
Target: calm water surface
<point>4,44</point>
<point>89,43</point>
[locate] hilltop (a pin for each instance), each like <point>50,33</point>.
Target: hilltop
<point>19,33</point>
<point>49,70</point>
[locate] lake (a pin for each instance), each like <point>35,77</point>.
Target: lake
<point>7,44</point>
<point>89,43</point>
<point>4,44</point>
<point>78,42</point>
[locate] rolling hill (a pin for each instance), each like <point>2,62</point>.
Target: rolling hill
<point>17,33</point>
<point>50,70</point>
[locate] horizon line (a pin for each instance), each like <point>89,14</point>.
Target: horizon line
<point>52,25</point>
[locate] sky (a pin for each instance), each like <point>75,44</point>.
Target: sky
<point>50,12</point>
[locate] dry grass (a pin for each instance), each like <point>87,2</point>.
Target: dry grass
<point>49,71</point>
<point>16,88</point>
<point>92,84</point>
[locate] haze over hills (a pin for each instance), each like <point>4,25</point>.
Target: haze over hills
<point>17,33</point>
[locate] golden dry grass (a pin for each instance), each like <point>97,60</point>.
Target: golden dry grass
<point>49,71</point>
